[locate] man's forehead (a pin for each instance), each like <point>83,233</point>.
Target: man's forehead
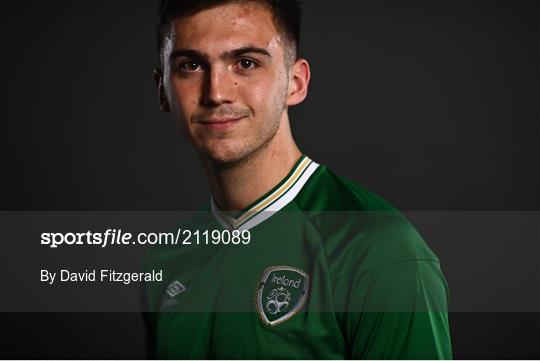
<point>224,28</point>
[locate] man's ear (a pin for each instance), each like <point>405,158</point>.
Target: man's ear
<point>298,88</point>
<point>158,80</point>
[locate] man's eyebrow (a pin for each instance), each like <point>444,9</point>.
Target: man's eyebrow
<point>245,50</point>
<point>194,54</point>
<point>188,53</point>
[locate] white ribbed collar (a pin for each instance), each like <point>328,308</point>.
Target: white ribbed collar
<point>270,203</point>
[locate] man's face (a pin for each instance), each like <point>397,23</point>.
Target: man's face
<point>225,79</point>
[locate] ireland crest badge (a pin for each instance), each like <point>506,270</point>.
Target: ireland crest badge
<point>281,293</point>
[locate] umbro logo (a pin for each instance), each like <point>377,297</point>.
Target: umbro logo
<point>175,288</point>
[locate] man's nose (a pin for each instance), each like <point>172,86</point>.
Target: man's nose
<point>219,87</point>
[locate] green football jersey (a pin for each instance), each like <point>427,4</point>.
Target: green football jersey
<point>331,271</point>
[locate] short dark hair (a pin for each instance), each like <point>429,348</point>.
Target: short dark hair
<point>286,14</point>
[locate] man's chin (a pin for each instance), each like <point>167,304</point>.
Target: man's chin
<point>225,156</point>
<point>231,152</point>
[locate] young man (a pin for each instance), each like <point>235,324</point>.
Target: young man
<point>329,270</point>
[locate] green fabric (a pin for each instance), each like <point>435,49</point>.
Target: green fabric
<point>376,290</point>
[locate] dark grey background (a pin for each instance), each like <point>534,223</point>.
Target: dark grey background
<point>433,105</point>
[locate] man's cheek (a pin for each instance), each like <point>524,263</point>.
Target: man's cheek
<point>184,107</point>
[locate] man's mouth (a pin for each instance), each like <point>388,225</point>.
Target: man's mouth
<point>220,123</point>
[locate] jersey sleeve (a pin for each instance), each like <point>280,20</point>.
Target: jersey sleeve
<point>396,311</point>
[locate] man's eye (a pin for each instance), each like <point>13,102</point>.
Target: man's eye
<point>190,66</point>
<point>246,64</point>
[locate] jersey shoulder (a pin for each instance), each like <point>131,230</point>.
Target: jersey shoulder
<point>358,229</point>
<point>327,191</point>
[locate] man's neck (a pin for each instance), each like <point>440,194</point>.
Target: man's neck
<point>236,187</point>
